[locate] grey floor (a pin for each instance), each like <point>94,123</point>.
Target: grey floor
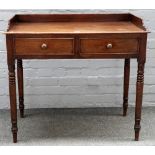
<point>93,126</point>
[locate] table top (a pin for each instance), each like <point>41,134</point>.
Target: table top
<point>75,27</point>
<point>75,23</point>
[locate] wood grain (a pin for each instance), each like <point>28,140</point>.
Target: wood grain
<point>75,27</point>
<point>126,85</point>
<point>20,86</point>
<point>54,46</point>
<point>12,86</point>
<point>100,45</point>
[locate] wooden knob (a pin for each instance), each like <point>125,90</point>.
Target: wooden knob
<point>109,45</point>
<point>44,46</point>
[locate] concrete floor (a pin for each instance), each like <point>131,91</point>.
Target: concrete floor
<point>92,126</point>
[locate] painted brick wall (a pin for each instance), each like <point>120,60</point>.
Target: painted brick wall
<point>78,83</point>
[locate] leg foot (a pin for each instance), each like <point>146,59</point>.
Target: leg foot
<point>15,137</point>
<point>14,131</point>
<point>136,135</point>
<point>137,129</point>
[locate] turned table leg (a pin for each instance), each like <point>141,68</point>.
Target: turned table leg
<point>139,95</point>
<point>13,105</point>
<point>126,85</point>
<point>20,87</point>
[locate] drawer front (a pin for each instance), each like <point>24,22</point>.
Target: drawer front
<point>44,46</point>
<point>107,46</point>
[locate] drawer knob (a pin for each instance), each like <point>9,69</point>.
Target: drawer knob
<point>109,45</point>
<point>44,46</point>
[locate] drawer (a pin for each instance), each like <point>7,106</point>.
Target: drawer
<point>44,46</point>
<point>101,46</point>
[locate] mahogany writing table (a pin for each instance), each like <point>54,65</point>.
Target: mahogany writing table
<point>75,36</point>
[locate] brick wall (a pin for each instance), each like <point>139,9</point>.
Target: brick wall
<point>78,83</point>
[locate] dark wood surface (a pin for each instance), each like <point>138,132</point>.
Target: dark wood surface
<point>44,46</point>
<point>20,86</point>
<point>80,36</point>
<point>126,85</point>
<point>100,46</point>
<point>74,27</point>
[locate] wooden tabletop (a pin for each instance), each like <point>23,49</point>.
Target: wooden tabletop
<point>74,27</point>
<point>75,24</point>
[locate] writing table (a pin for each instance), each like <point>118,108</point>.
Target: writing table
<point>75,36</point>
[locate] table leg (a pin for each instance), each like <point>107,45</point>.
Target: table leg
<point>20,87</point>
<point>13,105</point>
<point>126,85</point>
<point>139,96</point>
